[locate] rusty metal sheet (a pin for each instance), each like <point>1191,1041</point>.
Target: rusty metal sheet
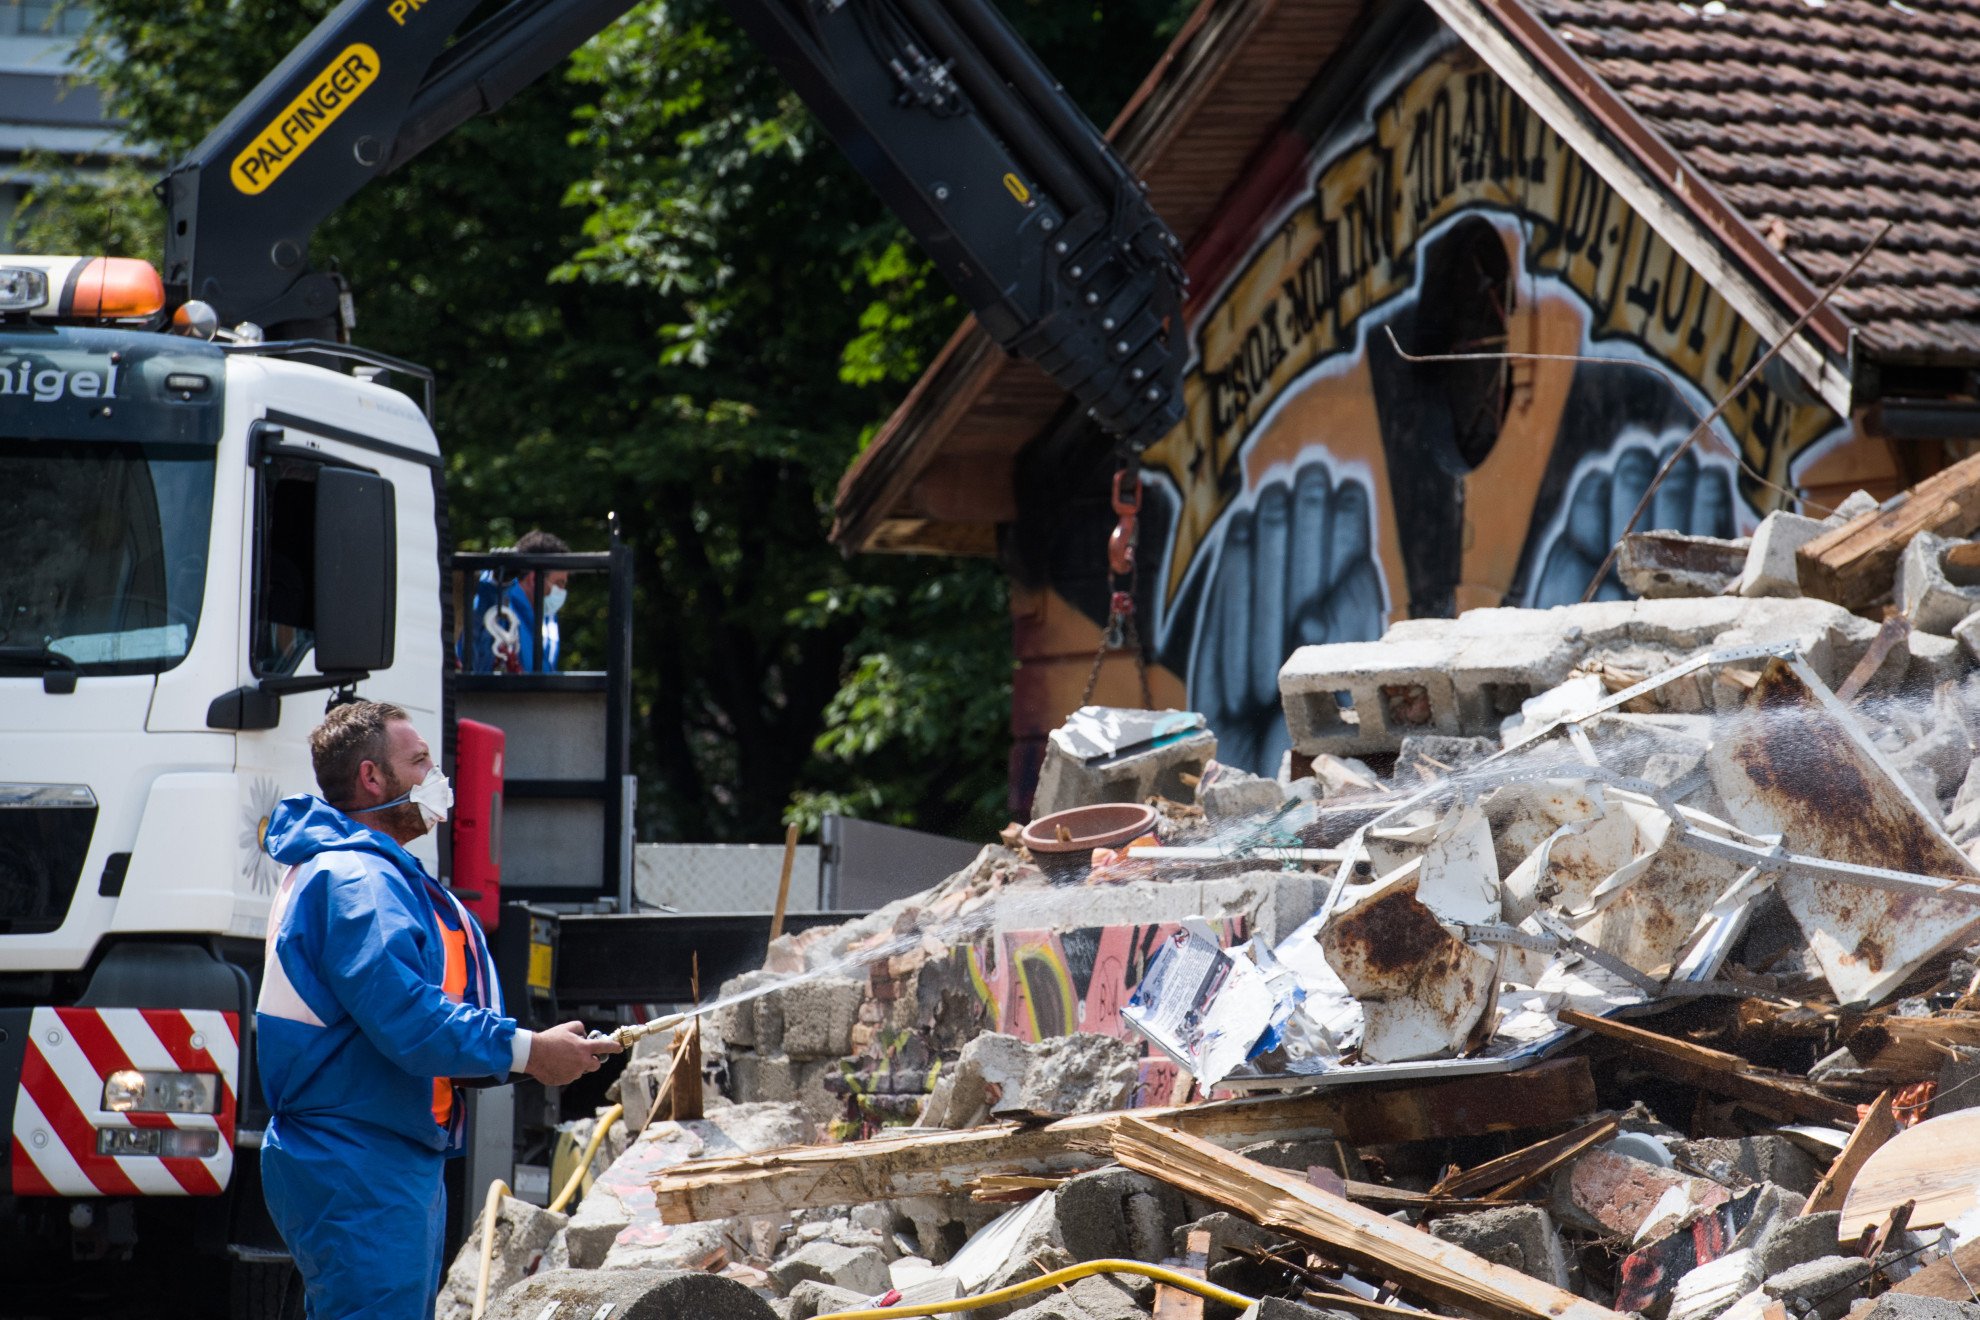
<point>1648,910</point>
<point>1792,762</point>
<point>1423,990</point>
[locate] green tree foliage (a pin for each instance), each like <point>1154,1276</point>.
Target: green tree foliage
<point>652,286</point>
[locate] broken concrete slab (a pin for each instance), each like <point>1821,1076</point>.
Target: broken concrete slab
<point>1465,675</point>
<point>1822,1289</point>
<point>1521,1237</point>
<point>1228,793</point>
<point>999,1075</point>
<point>629,1295</point>
<point>1089,1299</point>
<point>619,1209</point>
<point>1798,1241</point>
<point>861,1270</point>
<point>523,1234</point>
<point>1770,568</point>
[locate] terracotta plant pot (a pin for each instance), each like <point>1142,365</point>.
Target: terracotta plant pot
<point>1098,825</point>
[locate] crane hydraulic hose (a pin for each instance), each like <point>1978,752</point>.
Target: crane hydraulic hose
<point>1053,1280</point>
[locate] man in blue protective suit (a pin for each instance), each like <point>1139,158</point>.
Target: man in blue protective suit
<point>507,637</point>
<point>377,992</point>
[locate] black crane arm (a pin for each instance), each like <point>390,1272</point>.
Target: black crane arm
<point>1010,189</point>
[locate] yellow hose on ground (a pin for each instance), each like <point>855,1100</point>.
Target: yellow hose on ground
<point>1053,1280</point>
<point>576,1180</point>
<point>490,1208</point>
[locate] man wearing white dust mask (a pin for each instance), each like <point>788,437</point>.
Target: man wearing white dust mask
<point>377,991</point>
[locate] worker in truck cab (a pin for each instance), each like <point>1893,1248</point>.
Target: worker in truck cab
<point>507,638</point>
<point>378,991</point>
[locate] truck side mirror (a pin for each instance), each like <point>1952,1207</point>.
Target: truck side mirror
<point>357,569</point>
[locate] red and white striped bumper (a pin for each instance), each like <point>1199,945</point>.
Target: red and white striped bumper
<point>59,1109</point>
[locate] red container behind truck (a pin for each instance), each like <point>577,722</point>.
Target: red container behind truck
<point>477,819</point>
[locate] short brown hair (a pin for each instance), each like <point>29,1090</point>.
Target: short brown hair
<point>349,736</point>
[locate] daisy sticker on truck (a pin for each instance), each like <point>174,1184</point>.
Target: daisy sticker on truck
<point>304,119</point>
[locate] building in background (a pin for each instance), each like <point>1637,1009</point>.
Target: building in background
<point>45,111</point>
<point>1663,187</point>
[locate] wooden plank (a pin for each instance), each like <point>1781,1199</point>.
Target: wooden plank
<point>1852,565</point>
<point>1931,1164</point>
<point>1951,1278</point>
<point>1721,1073</point>
<point>1874,1129</point>
<point>920,1162</point>
<point>1362,1238</point>
<point>1911,1049</point>
<point>1172,1303</point>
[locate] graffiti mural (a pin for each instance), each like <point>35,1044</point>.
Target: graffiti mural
<point>1322,484</point>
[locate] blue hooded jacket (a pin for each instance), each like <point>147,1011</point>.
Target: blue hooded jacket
<point>352,1023</point>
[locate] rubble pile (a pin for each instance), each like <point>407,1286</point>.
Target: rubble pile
<point>1616,958</point>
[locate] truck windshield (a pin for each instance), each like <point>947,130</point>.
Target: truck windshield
<point>102,552</point>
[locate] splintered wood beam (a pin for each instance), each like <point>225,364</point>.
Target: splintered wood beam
<point>936,1162</point>
<point>1356,1236</point>
<point>1875,1128</point>
<point>1511,1173</point>
<point>1721,1073</point>
<point>1852,565</point>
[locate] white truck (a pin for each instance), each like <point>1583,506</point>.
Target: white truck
<point>203,532</point>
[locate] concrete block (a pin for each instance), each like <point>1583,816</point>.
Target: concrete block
<point>1519,1237</point>
<point>1823,1288</point>
<point>1392,687</point>
<point>629,1295</point>
<point>1112,1213</point>
<point>1771,569</point>
<point>688,1247</point>
<point>1713,1287</point>
<point>1097,1298</point>
<point>1769,1159</point>
<point>523,1237</point>
<point>861,1270</point>
<point>1228,1233</point>
<point>1672,565</point>
<point>736,1023</point>
<point>1066,781</point>
<point>1858,503</point>
<point>1279,1308</point>
<point>1897,1306</point>
<point>1934,597</point>
<point>819,1016</point>
<point>810,1298</point>
<point>1797,1241</point>
<point>1934,660</point>
<point>998,1074</point>
<point>762,1078</point>
<point>1227,793</point>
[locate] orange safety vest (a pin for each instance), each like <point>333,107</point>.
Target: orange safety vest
<point>454,984</point>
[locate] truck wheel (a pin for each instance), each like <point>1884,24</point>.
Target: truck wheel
<point>265,1290</point>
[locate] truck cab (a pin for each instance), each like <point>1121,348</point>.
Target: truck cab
<point>200,543</point>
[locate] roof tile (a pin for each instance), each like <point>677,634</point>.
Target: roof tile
<point>1818,121</point>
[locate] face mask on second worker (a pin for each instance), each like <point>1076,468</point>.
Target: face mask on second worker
<point>433,795</point>
<point>553,600</point>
